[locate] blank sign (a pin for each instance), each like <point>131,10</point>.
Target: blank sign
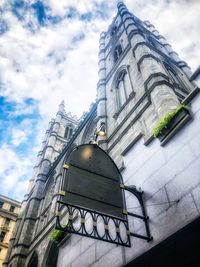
<point>93,181</point>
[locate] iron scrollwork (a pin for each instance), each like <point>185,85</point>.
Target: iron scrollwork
<point>93,224</point>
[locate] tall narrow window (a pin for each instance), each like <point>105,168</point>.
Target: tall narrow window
<point>121,93</point>
<point>117,52</point>
<point>70,133</point>
<point>123,88</point>
<point>2,236</point>
<point>1,204</point>
<point>66,133</point>
<point>128,85</point>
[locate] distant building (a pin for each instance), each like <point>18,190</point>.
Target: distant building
<point>141,79</point>
<point>9,210</point>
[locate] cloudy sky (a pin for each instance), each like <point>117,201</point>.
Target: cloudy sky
<point>49,52</point>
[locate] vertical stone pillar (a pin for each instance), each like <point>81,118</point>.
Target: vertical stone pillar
<point>101,91</point>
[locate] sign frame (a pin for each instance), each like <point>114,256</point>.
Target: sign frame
<point>102,226</point>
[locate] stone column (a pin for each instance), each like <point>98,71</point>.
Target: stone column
<point>101,91</point>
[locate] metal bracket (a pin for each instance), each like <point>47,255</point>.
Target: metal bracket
<point>139,195</point>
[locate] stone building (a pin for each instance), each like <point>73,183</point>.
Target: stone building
<point>9,210</point>
<point>141,79</point>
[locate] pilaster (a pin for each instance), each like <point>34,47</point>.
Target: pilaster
<point>101,90</point>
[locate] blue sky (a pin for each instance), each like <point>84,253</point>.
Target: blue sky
<point>49,52</point>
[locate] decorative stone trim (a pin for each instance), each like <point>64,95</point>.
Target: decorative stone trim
<point>129,25</point>
<point>144,57</point>
<point>54,133</point>
<point>134,32</point>
<point>138,44</point>
<point>101,69</point>
<point>101,99</point>
<point>125,12</point>
<point>101,59</point>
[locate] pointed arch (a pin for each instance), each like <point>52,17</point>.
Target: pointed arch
<point>122,87</point>
<point>176,79</point>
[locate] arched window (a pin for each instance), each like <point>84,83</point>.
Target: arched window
<point>117,52</point>
<point>179,86</point>
<point>68,132</point>
<point>121,90</point>
<point>123,87</point>
<point>174,75</point>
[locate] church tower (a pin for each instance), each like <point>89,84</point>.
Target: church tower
<point>141,79</point>
<point>57,136</point>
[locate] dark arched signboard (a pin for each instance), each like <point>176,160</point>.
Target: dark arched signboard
<point>92,201</point>
<point>93,181</point>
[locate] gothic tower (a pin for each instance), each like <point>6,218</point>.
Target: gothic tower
<point>58,134</point>
<point>141,79</point>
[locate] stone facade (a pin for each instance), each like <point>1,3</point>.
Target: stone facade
<point>141,79</point>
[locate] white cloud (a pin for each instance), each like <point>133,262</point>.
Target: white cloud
<point>18,137</point>
<point>12,168</point>
<point>30,65</point>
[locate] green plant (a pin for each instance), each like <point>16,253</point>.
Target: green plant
<point>57,235</point>
<point>163,123</point>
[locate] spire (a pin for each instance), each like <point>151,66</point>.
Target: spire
<point>62,106</point>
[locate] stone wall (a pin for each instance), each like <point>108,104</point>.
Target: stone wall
<point>166,174</point>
